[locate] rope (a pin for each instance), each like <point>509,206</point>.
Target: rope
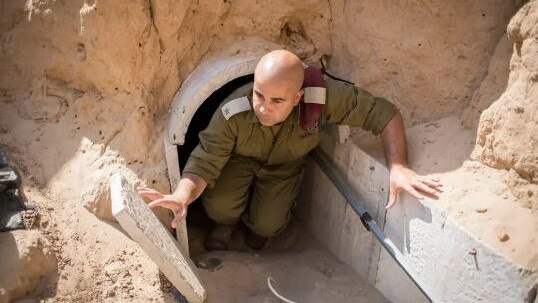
<point>270,281</point>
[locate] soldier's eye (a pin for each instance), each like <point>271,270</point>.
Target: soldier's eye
<point>258,95</point>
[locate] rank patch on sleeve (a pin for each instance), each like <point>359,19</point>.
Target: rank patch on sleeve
<point>235,106</point>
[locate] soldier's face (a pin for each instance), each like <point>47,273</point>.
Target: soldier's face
<point>273,101</point>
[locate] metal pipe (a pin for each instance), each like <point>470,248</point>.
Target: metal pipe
<point>369,223</point>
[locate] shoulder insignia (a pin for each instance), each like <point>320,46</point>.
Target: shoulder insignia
<point>235,106</point>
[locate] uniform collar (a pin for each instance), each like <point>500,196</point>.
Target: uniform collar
<point>293,118</point>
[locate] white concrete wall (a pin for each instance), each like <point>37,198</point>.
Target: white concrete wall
<point>332,220</point>
<point>436,247</point>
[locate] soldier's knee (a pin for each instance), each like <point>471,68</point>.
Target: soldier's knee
<point>268,227</point>
<point>219,212</point>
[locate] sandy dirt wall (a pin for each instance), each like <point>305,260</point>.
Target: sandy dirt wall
<point>427,57</point>
<point>85,88</point>
<point>507,132</point>
<point>73,59</point>
<point>109,69</point>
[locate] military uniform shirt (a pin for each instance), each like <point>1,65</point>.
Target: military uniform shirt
<point>240,132</point>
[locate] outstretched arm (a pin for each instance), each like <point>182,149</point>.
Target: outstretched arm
<point>201,170</point>
<point>401,177</point>
<point>189,188</point>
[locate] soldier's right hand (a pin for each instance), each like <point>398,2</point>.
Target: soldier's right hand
<point>176,204</point>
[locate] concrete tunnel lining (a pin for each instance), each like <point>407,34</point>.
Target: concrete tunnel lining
<point>207,78</point>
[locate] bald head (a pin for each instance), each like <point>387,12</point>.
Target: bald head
<point>280,67</point>
<point>278,79</point>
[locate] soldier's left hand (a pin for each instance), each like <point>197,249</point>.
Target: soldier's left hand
<point>405,179</point>
<point>176,204</point>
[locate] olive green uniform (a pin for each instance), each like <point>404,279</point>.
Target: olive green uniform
<point>240,158</point>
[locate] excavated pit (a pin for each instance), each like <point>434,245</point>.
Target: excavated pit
<point>303,270</point>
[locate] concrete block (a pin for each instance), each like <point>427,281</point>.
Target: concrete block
<point>449,262</point>
<point>391,279</point>
<point>143,226</point>
<point>367,176</point>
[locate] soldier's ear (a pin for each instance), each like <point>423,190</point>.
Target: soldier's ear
<point>298,97</point>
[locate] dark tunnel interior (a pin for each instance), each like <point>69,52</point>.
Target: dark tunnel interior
<point>199,122</point>
<point>203,115</point>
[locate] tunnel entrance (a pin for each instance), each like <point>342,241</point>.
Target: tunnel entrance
<point>301,267</point>
<point>203,115</point>
<point>197,220</point>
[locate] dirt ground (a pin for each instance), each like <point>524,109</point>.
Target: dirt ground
<point>113,268</point>
<point>303,270</point>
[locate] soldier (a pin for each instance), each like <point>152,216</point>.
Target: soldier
<point>254,149</point>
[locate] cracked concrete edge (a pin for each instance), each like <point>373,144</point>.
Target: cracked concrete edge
<point>137,219</point>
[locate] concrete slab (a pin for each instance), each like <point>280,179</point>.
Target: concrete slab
<point>143,226</point>
<point>358,247</point>
<point>368,178</point>
<point>450,263</point>
<point>453,262</point>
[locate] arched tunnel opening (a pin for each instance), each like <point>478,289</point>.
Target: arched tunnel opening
<point>203,115</point>
<point>197,220</point>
